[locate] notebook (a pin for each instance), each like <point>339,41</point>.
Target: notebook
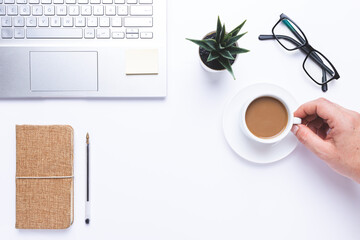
<point>44,177</point>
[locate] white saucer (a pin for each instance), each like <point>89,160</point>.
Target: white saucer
<point>243,145</point>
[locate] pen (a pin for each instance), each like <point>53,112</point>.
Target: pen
<point>87,204</point>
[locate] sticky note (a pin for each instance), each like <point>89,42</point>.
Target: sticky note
<point>142,62</point>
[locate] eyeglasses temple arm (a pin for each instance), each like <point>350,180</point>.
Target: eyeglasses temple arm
<point>324,87</point>
<point>271,37</point>
<point>293,30</point>
<point>313,56</point>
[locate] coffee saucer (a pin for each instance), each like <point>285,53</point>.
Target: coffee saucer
<point>243,145</point>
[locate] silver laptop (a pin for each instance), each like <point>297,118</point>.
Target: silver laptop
<point>82,48</point>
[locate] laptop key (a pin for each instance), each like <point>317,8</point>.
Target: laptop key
<point>92,22</point>
<point>12,10</point>
<point>6,22</point>
<point>7,33</point>
<point>24,10</point>
<point>19,33</point>
<point>118,35</point>
<point>141,10</point>
<point>122,10</point>
<point>43,21</point>
<point>51,33</point>
<point>103,33</point>
<point>49,10</point>
<point>2,10</point>
<point>116,22</point>
<point>74,10</point>
<point>132,36</point>
<point>80,22</point>
<point>110,10</point>
<point>138,22</point>
<point>31,22</point>
<point>19,22</point>
<point>37,10</point>
<point>104,22</point>
<point>61,10</point>
<point>67,22</point>
<point>146,35</point>
<point>55,22</point>
<point>89,33</point>
<point>86,10</point>
<point>98,10</point>
<point>132,30</point>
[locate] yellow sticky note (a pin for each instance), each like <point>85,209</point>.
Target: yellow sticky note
<point>142,62</point>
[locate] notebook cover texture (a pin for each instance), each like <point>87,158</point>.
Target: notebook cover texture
<point>44,177</point>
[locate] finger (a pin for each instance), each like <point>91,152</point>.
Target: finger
<point>323,130</point>
<point>316,123</point>
<point>312,128</point>
<point>311,140</point>
<point>309,118</point>
<point>321,107</point>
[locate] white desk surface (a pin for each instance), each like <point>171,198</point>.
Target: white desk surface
<point>161,169</point>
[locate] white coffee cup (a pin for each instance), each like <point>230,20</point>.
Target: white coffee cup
<point>291,120</point>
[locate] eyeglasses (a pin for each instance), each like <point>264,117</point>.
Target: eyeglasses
<point>291,37</point>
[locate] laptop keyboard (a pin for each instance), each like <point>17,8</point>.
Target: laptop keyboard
<point>76,19</point>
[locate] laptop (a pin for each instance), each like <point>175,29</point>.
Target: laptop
<point>82,48</point>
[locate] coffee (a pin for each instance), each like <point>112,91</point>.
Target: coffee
<point>266,117</point>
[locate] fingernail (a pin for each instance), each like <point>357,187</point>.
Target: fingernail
<point>294,129</point>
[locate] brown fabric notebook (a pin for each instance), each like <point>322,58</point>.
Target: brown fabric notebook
<point>44,177</point>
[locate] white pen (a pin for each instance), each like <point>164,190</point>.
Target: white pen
<point>87,203</point>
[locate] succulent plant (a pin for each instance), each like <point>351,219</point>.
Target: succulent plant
<point>222,46</point>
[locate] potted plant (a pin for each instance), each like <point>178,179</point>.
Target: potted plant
<point>218,50</point>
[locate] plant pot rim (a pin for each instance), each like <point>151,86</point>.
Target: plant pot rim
<point>209,69</point>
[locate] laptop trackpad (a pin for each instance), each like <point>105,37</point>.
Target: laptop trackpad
<point>63,71</point>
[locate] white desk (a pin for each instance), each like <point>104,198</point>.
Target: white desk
<point>161,169</point>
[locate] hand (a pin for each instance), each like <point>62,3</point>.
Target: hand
<point>332,133</point>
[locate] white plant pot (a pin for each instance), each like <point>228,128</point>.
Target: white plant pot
<point>208,69</point>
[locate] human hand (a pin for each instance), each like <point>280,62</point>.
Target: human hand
<point>332,133</point>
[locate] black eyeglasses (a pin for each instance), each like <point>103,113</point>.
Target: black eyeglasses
<point>291,37</point>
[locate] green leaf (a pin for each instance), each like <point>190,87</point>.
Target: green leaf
<point>226,64</point>
<point>227,37</point>
<point>223,31</point>
<point>233,40</point>
<point>236,50</point>
<point>201,43</point>
<point>226,54</point>
<point>221,47</point>
<point>236,30</point>
<point>213,56</point>
<point>211,43</point>
<point>218,30</point>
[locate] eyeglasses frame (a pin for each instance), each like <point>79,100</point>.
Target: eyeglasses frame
<point>305,47</point>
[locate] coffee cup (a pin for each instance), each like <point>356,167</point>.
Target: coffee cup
<point>267,118</point>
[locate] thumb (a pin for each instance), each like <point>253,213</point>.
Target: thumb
<point>311,140</point>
